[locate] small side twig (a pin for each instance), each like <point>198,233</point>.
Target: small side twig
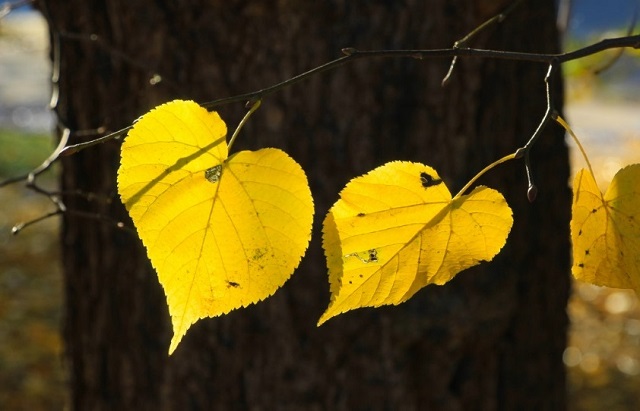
<point>16,229</point>
<point>498,18</point>
<point>532,190</point>
<point>74,148</point>
<point>31,176</point>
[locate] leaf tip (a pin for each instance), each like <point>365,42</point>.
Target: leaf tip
<point>326,316</point>
<point>174,343</point>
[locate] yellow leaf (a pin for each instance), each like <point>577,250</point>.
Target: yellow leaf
<point>605,230</point>
<point>222,232</point>
<point>397,229</point>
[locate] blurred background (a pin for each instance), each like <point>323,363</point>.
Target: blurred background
<point>603,352</point>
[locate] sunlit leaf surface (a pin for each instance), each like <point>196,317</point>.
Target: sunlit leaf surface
<point>605,230</point>
<point>222,232</point>
<point>397,229</point>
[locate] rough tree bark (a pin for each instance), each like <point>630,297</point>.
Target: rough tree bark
<point>491,339</point>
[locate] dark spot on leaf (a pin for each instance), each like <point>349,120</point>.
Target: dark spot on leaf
<point>258,253</point>
<point>427,181</point>
<point>586,252</point>
<point>370,256</point>
<point>360,275</point>
<point>213,174</point>
<point>594,211</point>
<point>350,282</point>
<point>580,232</point>
<point>581,265</point>
<point>232,284</point>
<point>361,214</point>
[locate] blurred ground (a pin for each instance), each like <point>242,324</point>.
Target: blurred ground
<point>31,376</point>
<point>603,354</point>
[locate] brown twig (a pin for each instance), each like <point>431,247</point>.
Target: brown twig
<point>498,18</point>
<point>350,55</point>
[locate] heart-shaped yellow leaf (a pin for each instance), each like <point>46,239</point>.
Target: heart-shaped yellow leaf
<point>605,230</point>
<point>222,232</point>
<point>397,229</point>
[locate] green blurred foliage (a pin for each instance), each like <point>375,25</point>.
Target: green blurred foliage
<point>602,74</point>
<point>21,152</point>
<point>31,371</point>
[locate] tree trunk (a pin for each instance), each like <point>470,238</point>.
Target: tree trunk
<point>491,339</point>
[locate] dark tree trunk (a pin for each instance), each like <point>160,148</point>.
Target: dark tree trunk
<point>491,339</point>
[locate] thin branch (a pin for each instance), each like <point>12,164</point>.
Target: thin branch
<point>498,18</point>
<point>72,149</point>
<point>258,95</point>
<point>64,138</point>
<point>30,177</point>
<point>55,70</point>
<point>606,44</point>
<point>16,229</point>
<point>352,54</point>
<point>550,108</point>
<point>619,52</point>
<point>532,190</point>
<point>102,218</point>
